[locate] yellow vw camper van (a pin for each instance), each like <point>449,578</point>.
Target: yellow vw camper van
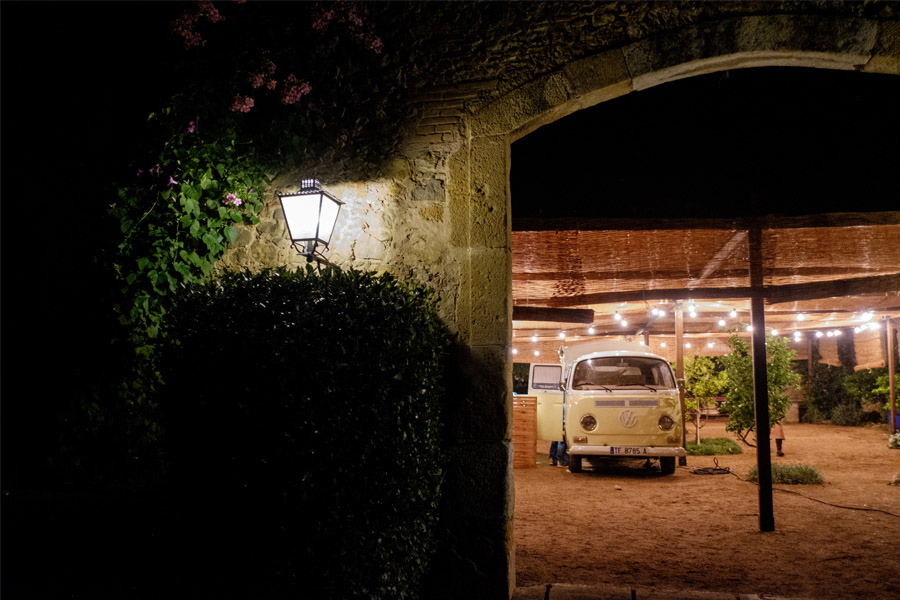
<point>620,401</point>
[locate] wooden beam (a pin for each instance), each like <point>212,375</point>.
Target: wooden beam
<point>556,315</point>
<point>772,222</point>
<point>878,284</point>
<point>773,294</point>
<point>661,275</point>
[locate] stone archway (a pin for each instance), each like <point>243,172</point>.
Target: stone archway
<point>480,200</point>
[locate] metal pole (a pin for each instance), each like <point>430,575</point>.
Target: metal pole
<point>892,375</point>
<point>679,372</point>
<point>760,384</point>
<point>761,396</point>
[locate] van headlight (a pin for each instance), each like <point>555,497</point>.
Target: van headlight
<point>588,423</point>
<point>666,423</point>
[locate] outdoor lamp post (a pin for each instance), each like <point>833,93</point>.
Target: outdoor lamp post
<point>311,215</point>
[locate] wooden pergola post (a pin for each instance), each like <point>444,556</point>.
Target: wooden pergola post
<point>760,383</point>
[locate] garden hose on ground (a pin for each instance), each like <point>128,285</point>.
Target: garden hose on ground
<point>717,470</point>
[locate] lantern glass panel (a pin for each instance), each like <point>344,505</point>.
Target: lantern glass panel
<point>302,215</point>
<point>329,215</point>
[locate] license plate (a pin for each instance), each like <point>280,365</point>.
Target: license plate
<point>628,450</point>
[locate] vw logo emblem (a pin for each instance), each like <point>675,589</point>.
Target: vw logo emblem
<point>627,418</point>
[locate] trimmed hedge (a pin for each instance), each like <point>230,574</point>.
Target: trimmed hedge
<point>303,415</point>
<point>789,474</point>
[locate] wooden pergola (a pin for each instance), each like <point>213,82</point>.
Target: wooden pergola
<point>806,277</point>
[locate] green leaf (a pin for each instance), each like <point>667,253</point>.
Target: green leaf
<point>230,234</point>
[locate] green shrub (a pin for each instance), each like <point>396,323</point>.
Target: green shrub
<point>713,447</point>
<point>847,415</point>
<point>303,421</point>
<point>789,474</point>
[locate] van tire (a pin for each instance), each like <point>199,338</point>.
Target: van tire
<point>575,463</point>
<point>667,465</point>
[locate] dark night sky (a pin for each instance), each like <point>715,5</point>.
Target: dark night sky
<point>747,142</point>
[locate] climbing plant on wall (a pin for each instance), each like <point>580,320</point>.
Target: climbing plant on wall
<point>257,86</point>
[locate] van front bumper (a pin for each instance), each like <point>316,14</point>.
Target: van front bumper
<point>625,451</point>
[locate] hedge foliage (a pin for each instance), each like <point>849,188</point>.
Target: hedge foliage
<point>789,474</point>
<point>713,447</point>
<point>303,417</point>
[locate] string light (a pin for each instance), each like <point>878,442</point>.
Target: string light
<point>562,335</point>
<point>733,314</point>
<point>534,338</point>
<point>662,345</point>
<point>801,317</point>
<point>536,353</point>
<point>774,332</point>
<point>709,344</point>
<point>687,345</point>
<point>591,330</point>
<point>624,323</point>
<point>617,316</point>
<point>830,334</point>
<point>748,328</point>
<point>515,351</point>
<point>721,322</point>
<point>818,334</point>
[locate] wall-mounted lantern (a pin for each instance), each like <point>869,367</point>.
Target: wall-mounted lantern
<point>311,215</point>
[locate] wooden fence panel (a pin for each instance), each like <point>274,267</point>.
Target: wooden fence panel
<point>524,434</point>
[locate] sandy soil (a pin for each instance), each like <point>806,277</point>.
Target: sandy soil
<point>627,525</point>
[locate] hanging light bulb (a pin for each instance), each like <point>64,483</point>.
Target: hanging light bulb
<point>536,353</point>
<point>748,328</point>
<point>624,323</point>
<point>662,345</point>
<point>515,351</point>
<point>801,317</point>
<point>709,344</point>
<point>534,338</point>
<point>617,316</point>
<point>837,332</point>
<point>591,330</point>
<point>562,335</point>
<point>733,314</point>
<point>687,344</point>
<point>818,334</point>
<point>874,325</point>
<point>774,332</point>
<point>830,334</point>
<point>721,322</point>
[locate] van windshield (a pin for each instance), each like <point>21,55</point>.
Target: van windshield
<point>622,372</point>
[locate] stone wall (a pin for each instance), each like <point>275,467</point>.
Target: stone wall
<point>438,209</point>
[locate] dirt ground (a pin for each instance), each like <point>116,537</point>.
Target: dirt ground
<point>629,526</point>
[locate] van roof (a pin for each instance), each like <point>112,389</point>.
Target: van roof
<point>575,351</point>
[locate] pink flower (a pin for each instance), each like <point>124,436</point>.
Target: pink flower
<point>376,45</point>
<point>242,103</point>
<point>140,172</point>
<point>256,80</point>
<point>233,200</point>
<point>212,13</point>
<point>172,181</point>
<point>294,89</point>
<point>270,67</point>
<point>271,84</point>
<point>192,127</point>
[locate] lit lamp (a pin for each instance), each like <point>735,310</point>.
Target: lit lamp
<point>311,215</point>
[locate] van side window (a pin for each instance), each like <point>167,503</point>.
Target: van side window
<point>545,377</point>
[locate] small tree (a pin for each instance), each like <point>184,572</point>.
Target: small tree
<point>739,370</point>
<point>704,381</point>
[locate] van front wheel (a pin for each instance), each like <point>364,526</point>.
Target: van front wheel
<point>575,463</point>
<point>667,465</point>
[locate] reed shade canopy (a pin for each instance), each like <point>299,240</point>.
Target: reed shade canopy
<point>578,278</point>
<point>311,215</point>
